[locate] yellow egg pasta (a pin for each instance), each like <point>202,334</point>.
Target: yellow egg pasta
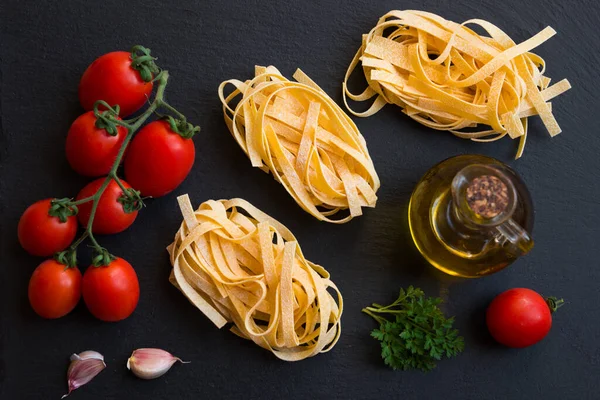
<point>446,76</point>
<point>237,264</point>
<point>298,133</point>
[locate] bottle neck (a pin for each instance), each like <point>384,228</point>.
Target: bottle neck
<point>484,197</point>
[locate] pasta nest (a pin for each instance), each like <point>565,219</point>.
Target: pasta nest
<point>237,264</point>
<point>295,131</point>
<point>447,77</point>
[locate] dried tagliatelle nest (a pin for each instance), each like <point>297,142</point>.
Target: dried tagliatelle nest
<point>237,264</point>
<point>298,133</point>
<point>447,77</point>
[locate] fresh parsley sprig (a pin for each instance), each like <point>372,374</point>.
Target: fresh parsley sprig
<point>413,331</point>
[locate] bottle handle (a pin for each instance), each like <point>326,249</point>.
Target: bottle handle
<point>516,239</point>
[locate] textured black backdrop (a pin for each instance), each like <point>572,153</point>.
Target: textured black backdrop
<point>45,47</point>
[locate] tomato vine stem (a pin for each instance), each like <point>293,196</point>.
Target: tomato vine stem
<point>173,110</point>
<point>78,241</point>
<point>118,181</point>
<point>68,257</point>
<point>81,201</point>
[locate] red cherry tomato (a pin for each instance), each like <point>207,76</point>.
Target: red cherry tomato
<point>110,216</point>
<point>42,234</point>
<point>111,292</point>
<point>158,159</point>
<point>112,78</point>
<point>54,289</point>
<point>92,151</point>
<point>519,318</point>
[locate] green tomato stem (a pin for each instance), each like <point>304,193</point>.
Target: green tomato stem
<point>118,181</point>
<point>123,124</point>
<point>68,257</point>
<point>554,303</point>
<point>76,243</point>
<point>173,110</point>
<point>85,200</point>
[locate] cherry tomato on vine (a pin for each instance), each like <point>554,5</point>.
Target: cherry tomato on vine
<point>112,78</point>
<point>110,214</point>
<point>91,151</point>
<point>111,292</point>
<point>158,159</point>
<point>42,234</point>
<point>54,289</point>
<point>520,317</point>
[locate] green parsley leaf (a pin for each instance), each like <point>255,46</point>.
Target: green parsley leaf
<point>413,331</point>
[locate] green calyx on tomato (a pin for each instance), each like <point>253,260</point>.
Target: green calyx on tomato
<point>131,200</point>
<point>62,209</point>
<point>102,257</point>
<point>106,119</point>
<point>182,127</point>
<point>144,63</point>
<point>68,258</point>
<point>554,303</point>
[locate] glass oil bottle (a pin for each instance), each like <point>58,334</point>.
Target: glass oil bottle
<point>471,216</point>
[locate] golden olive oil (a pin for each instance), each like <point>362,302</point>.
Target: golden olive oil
<point>457,240</point>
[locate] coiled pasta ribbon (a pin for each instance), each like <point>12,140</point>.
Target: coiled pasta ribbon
<point>237,264</point>
<point>447,77</point>
<point>298,133</point>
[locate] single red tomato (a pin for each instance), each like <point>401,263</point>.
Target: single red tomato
<point>42,234</point>
<point>519,318</point>
<point>111,292</point>
<point>158,159</point>
<point>91,151</point>
<point>110,215</point>
<point>112,78</point>
<point>54,289</point>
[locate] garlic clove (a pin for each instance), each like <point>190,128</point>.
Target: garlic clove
<point>83,368</point>
<point>151,363</point>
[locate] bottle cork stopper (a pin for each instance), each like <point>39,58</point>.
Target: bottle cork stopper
<point>487,196</point>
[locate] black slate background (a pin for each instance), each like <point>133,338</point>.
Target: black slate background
<point>44,49</point>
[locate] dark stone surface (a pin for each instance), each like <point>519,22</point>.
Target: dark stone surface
<point>44,49</point>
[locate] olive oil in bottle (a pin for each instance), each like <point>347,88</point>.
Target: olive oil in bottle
<point>471,216</point>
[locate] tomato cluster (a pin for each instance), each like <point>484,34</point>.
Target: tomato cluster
<point>157,160</point>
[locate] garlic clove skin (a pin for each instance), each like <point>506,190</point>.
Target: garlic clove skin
<point>87,355</point>
<point>83,368</point>
<point>151,363</point>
